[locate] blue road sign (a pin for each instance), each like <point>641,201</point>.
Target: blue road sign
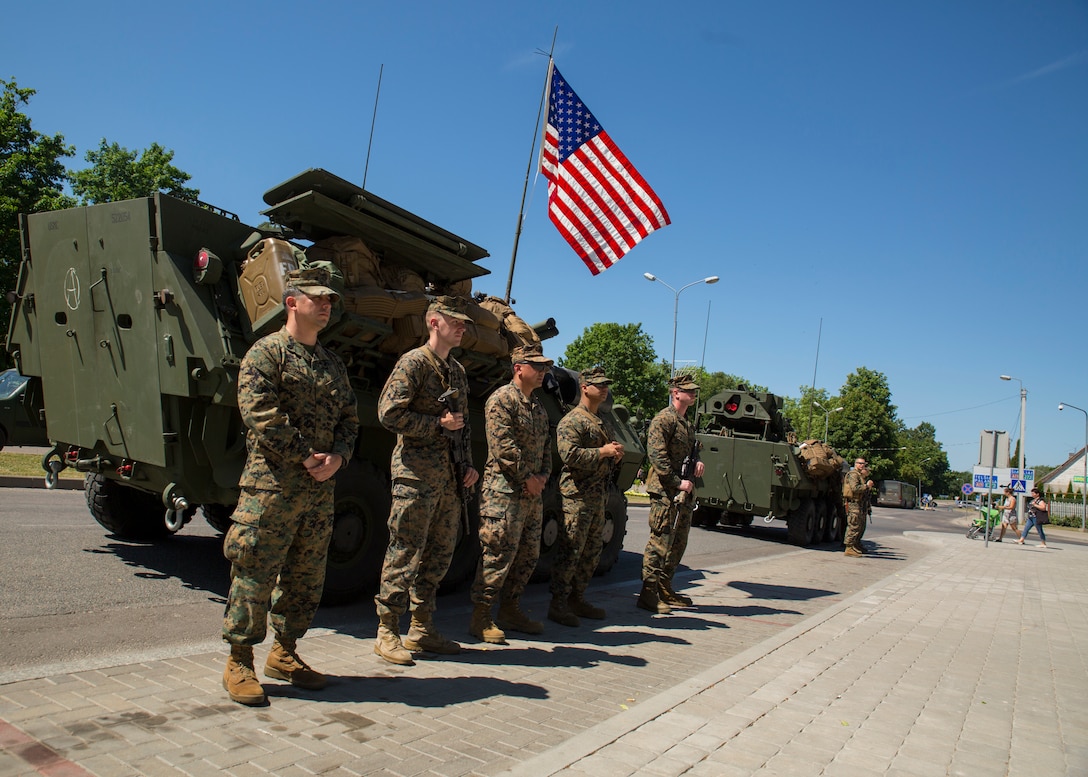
<point>1019,486</point>
<point>967,488</point>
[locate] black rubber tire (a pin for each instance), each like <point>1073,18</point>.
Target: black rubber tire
<point>3,438</point>
<point>549,531</point>
<point>218,516</point>
<point>125,512</point>
<point>707,517</point>
<point>801,524</point>
<point>360,533</point>
<point>822,521</point>
<point>615,529</point>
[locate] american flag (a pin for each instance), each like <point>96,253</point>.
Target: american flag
<point>596,198</point>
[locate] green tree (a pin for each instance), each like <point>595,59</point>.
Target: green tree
<point>807,419</point>
<point>869,427</point>
<point>627,355</point>
<point>31,179</point>
<point>119,174</point>
<point>921,459</point>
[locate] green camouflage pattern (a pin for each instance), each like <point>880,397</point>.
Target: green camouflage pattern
<point>426,510</point>
<point>583,484</point>
<point>510,518</point>
<point>668,441</point>
<point>857,508</point>
<point>294,401</point>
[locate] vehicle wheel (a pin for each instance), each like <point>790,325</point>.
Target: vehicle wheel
<point>3,438</point>
<point>801,524</point>
<point>360,533</point>
<point>549,531</point>
<point>833,530</point>
<point>218,516</point>
<point>707,517</point>
<point>973,532</point>
<point>124,511</point>
<point>821,521</point>
<point>615,529</point>
<point>466,554</point>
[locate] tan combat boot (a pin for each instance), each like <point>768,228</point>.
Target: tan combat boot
<point>239,680</point>
<point>424,636</point>
<point>560,612</point>
<point>483,628</point>
<point>388,644</point>
<point>284,664</point>
<point>852,551</point>
<point>511,618</point>
<point>648,599</point>
<point>669,596</point>
<point>579,606</point>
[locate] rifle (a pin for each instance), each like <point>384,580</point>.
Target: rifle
<point>687,470</point>
<point>450,398</point>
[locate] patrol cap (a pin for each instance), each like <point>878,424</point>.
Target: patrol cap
<point>595,376</point>
<point>683,382</point>
<point>449,306</point>
<point>529,354</point>
<point>314,281</point>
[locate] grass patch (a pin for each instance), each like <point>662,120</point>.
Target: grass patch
<point>29,465</point>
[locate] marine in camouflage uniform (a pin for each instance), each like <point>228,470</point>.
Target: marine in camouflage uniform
<point>588,453</point>
<point>301,426</point>
<point>669,441</point>
<point>511,502</point>
<point>426,508</point>
<point>857,493</point>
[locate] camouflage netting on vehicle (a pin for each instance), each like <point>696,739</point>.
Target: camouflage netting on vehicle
<point>820,459</point>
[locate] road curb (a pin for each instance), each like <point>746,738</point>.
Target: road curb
<point>17,481</point>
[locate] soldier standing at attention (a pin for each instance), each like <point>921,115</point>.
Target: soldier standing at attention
<point>511,505</point>
<point>856,490</point>
<point>426,508</point>
<point>670,439</point>
<point>588,453</point>
<point>301,425</point>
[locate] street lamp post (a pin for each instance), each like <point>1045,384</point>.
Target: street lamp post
<point>1084,485</point>
<point>676,306</point>
<point>827,415</point>
<point>1023,418</point>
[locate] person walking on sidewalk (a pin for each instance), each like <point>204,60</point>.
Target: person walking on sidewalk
<point>426,507</point>
<point>1008,514</point>
<point>857,491</point>
<point>1038,516</point>
<point>301,425</point>
<point>670,440</point>
<point>518,465</point>
<point>588,454</point>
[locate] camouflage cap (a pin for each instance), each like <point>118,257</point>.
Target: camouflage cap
<point>313,281</point>
<point>683,382</point>
<point>449,306</point>
<point>595,376</point>
<point>529,354</point>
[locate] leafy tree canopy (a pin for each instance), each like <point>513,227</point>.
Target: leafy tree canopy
<point>119,174</point>
<point>628,357</point>
<point>869,427</point>
<point>31,179</point>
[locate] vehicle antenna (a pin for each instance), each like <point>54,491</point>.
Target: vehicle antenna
<point>373,118</point>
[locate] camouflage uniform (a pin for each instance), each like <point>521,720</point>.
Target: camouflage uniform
<point>668,443</point>
<point>295,400</point>
<point>510,518</point>
<point>426,510</point>
<point>584,486</point>
<point>857,508</point>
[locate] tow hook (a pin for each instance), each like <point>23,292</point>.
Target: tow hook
<point>176,507</point>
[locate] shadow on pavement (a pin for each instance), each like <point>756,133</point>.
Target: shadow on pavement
<point>787,592</point>
<point>197,562</point>
<point>428,692</point>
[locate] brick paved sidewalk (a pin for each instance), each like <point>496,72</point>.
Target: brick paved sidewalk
<point>972,662</point>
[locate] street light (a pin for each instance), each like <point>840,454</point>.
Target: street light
<point>827,415</point>
<point>923,461</point>
<point>1084,486</point>
<point>1023,419</point>
<point>676,306</point>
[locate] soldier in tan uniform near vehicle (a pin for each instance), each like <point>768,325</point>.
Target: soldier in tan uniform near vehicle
<point>301,426</point>
<point>588,454</point>
<point>426,508</point>
<point>857,492</point>
<point>670,439</point>
<point>511,502</point>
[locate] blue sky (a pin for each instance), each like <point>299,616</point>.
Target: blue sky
<point>912,175</point>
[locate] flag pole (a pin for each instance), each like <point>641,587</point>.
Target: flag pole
<point>529,169</point>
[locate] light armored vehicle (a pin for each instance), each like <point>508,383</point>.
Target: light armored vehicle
<point>132,319</point>
<point>755,467</point>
